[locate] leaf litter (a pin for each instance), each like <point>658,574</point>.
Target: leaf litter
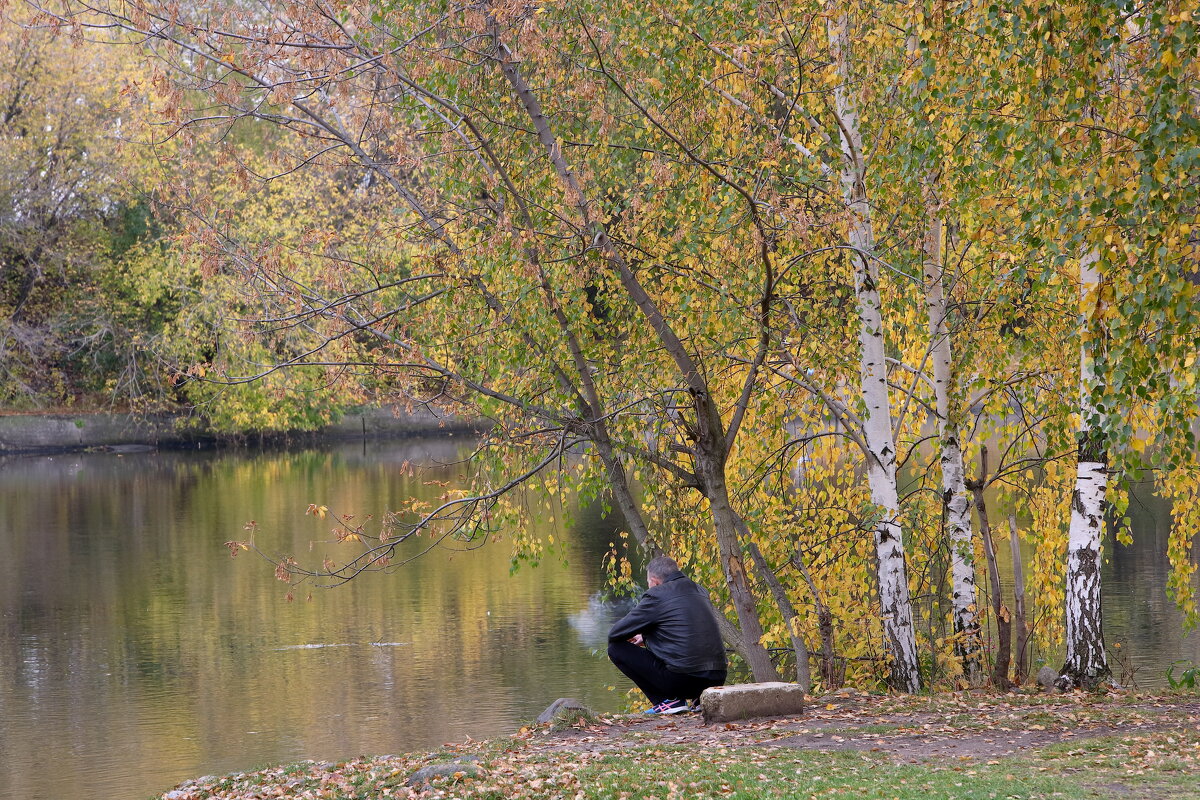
<point>1110,743</point>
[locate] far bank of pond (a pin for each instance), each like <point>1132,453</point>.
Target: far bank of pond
<point>64,432</point>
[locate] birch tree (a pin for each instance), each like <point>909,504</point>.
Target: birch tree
<point>1086,660</point>
<point>881,446</point>
<point>1099,145</point>
<point>956,496</point>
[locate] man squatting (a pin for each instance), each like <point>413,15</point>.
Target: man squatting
<point>669,644</point>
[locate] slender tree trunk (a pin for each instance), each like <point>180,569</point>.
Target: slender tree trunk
<point>954,489</point>
<point>895,602</point>
<point>618,484</point>
<point>725,524</point>
<point>1087,664</point>
<point>1003,617</point>
<point>830,674</point>
<point>788,611</point>
<point>1021,670</point>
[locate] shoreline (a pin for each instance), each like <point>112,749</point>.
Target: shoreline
<point>848,744</point>
<point>45,434</point>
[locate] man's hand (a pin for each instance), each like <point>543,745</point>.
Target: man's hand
<point>637,639</point>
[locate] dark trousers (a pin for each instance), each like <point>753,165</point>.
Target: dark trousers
<point>653,677</point>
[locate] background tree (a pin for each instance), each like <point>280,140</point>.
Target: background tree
<point>76,304</point>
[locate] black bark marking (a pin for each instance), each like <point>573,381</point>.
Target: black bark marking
<point>1088,562</point>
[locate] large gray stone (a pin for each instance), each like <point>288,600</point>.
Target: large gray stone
<point>749,700</point>
<point>562,704</point>
<point>1046,677</point>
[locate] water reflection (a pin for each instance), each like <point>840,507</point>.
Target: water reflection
<point>1138,614</point>
<point>135,653</point>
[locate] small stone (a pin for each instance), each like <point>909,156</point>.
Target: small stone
<point>1064,683</point>
<point>562,704</point>
<point>427,773</point>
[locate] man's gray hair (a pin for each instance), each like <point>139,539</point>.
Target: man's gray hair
<point>662,567</point>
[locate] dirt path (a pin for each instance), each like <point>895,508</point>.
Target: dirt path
<point>909,730</point>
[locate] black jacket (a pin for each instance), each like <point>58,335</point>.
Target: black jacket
<point>678,624</point>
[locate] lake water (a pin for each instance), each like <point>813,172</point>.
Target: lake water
<point>134,653</point>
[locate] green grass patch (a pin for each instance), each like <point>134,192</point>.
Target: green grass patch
<point>667,773</point>
<point>675,773</point>
<point>1167,761</point>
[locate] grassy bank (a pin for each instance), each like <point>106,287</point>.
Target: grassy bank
<point>847,746</point>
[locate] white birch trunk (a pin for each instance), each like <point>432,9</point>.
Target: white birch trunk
<point>1086,663</point>
<point>954,488</point>
<point>896,605</point>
